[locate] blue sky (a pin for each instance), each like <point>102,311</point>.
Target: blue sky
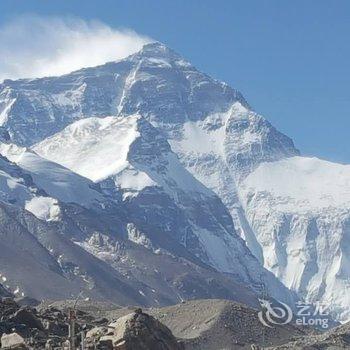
<point>290,59</point>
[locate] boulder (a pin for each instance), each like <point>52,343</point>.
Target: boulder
<point>140,331</point>
<point>13,341</point>
<point>106,343</point>
<point>53,343</point>
<point>27,317</point>
<point>27,301</point>
<point>4,292</point>
<point>55,327</point>
<point>96,333</point>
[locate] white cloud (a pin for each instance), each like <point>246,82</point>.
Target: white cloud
<point>33,46</point>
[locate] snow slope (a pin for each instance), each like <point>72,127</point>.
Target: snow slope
<point>299,209</point>
<point>55,180</point>
<point>98,149</point>
<point>306,184</point>
<point>17,188</point>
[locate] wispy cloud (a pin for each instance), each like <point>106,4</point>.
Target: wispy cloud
<point>33,46</point>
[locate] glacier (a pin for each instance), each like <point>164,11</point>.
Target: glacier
<point>299,210</point>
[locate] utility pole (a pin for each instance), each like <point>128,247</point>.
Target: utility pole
<point>82,343</point>
<point>72,318</point>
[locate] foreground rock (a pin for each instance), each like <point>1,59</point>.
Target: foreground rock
<point>13,341</point>
<point>136,330</point>
<point>23,327</point>
<point>194,325</point>
<point>46,327</point>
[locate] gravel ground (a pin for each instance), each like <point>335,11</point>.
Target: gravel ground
<point>204,324</point>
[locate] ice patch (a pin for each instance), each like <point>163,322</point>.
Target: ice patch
<point>44,208</point>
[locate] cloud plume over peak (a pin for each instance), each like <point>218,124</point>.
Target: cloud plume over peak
<point>33,46</point>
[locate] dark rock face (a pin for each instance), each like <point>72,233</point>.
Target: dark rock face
<point>26,316</point>
<point>4,135</point>
<point>4,292</point>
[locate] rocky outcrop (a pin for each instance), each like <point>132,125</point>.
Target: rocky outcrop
<point>23,327</point>
<point>46,327</point>
<point>136,330</point>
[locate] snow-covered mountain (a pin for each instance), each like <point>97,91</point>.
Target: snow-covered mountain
<point>163,197</point>
<point>88,243</point>
<point>186,166</point>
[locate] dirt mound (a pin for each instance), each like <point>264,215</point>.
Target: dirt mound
<point>220,324</point>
